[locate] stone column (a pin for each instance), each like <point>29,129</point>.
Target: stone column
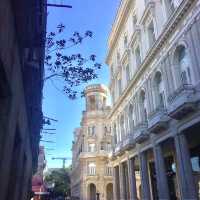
<point>114,184</point>
<point>146,195</point>
<point>122,182</point>
<point>132,180</point>
<point>185,176</point>
<point>161,178</point>
<point>116,191</point>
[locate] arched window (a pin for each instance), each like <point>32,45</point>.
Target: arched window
<point>143,106</point>
<point>138,59</point>
<point>151,34</point>
<point>92,168</point>
<point>125,41</point>
<point>122,126</point>
<point>118,58</point>
<point>184,64</point>
<point>127,73</point>
<point>119,86</point>
<point>159,90</point>
<point>92,103</point>
<point>131,118</point>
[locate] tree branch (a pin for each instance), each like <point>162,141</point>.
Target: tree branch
<point>51,76</point>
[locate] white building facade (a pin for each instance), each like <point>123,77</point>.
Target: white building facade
<point>92,174</point>
<point>153,56</point>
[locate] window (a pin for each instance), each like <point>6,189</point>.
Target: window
<point>183,61</point>
<point>122,126</point>
<point>115,134</point>
<point>125,41</point>
<point>120,86</point>
<point>143,106</point>
<point>137,56</point>
<point>92,103</point>
<point>108,171</point>
<point>118,58</point>
<point>184,74</point>
<point>105,130</point>
<point>102,146</point>
<point>159,90</point>
<point>127,73</point>
<point>131,118</point>
<point>111,71</point>
<point>91,131</point>
<point>92,169</point>
<point>113,97</point>
<point>151,34</point>
<point>91,147</point>
<point>134,21</point>
<point>108,148</point>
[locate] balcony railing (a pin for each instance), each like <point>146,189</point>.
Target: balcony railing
<point>182,102</point>
<point>99,153</point>
<point>140,132</point>
<point>158,120</point>
<point>128,142</point>
<point>108,171</point>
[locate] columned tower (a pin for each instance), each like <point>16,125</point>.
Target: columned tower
<point>91,148</point>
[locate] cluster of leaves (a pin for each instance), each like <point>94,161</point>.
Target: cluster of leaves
<point>61,179</point>
<point>73,68</point>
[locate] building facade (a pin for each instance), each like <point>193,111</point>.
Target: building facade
<point>153,56</point>
<point>91,176</point>
<point>38,185</point>
<point>22,38</point>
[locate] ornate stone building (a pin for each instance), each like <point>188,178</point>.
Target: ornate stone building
<point>91,173</point>
<point>153,55</point>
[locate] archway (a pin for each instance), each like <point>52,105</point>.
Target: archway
<point>109,191</point>
<point>92,191</point>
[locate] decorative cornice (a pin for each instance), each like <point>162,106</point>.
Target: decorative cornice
<point>122,15</point>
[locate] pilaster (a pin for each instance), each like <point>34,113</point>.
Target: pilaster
<point>146,195</point>
<point>132,180</point>
<point>185,176</point>
<point>162,185</point>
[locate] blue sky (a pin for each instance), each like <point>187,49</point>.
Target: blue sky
<point>94,15</point>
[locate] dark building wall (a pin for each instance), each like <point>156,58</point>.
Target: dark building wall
<point>22,36</point>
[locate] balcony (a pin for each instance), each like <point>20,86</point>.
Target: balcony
<point>108,172</point>
<point>182,102</point>
<point>158,120</point>
<point>87,154</point>
<point>118,148</point>
<point>94,113</point>
<point>128,142</point>
<point>91,137</point>
<point>140,133</point>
